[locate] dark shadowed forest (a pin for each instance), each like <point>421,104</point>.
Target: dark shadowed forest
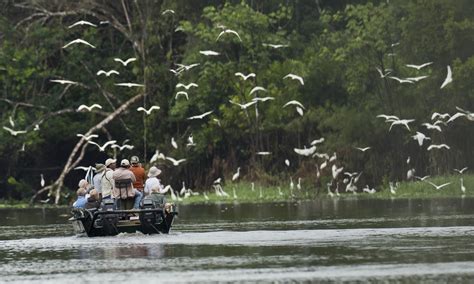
<point>322,69</point>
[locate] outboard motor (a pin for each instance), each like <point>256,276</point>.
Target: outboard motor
<point>150,220</point>
<point>107,205</point>
<point>109,221</point>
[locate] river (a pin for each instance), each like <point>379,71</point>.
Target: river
<point>407,241</point>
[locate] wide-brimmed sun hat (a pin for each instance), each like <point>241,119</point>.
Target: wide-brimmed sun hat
<point>99,167</point>
<point>153,172</point>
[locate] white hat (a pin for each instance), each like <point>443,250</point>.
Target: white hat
<point>153,172</point>
<point>124,162</point>
<point>109,161</point>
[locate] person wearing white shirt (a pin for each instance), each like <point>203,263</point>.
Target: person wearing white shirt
<point>107,179</point>
<point>96,180</point>
<point>152,182</point>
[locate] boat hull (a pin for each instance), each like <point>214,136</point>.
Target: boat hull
<point>109,222</point>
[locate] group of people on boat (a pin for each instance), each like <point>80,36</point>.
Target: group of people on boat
<point>126,182</point>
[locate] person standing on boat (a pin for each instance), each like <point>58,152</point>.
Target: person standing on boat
<point>124,179</point>
<point>139,173</point>
<point>96,180</point>
<point>152,182</point>
<point>107,179</point>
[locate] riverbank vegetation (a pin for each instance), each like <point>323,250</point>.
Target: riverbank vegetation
<point>348,54</point>
<point>247,193</point>
<point>283,192</point>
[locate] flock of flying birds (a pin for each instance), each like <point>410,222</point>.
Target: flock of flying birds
<point>438,120</point>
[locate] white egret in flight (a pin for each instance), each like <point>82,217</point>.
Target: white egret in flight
<point>180,85</point>
<point>469,115</point>
<point>228,31</point>
<point>173,143</point>
<point>88,137</point>
<point>275,46</point>
<point>167,11</point>
<point>149,110</point>
<point>388,118</point>
<point>125,62</point>
<point>256,89</point>
<point>294,102</point>
<point>461,171</point>
<point>362,149</point>
<point>209,52</point>
<point>317,141</point>
<point>448,79</point>
<point>456,116</point>
<point>81,23</point>
<point>124,146</point>
<point>62,82</point>
<point>129,85</point>
<point>437,115</point>
<point>77,41</point>
<point>102,148</point>
<point>186,67</point>
<point>245,77</point>
<point>181,93</point>
<point>420,137</point>
<point>295,77</point>
<point>306,151</point>
<point>107,73</point>
<point>175,162</point>
<point>244,106</point>
<point>440,146</point>
<point>418,67</point>
<point>416,79</point>
<point>201,116</point>
<point>262,99</point>
<point>430,126</point>
<point>401,81</point>
<point>438,187</point>
<point>401,122</point>
<point>88,108</point>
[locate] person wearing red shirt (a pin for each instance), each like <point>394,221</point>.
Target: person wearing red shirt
<point>139,173</point>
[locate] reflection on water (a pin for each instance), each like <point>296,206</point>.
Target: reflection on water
<point>341,240</point>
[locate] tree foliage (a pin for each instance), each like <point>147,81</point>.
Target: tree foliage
<point>336,46</point>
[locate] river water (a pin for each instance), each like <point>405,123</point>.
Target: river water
<point>407,241</point>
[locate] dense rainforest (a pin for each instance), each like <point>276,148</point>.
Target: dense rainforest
<point>334,64</point>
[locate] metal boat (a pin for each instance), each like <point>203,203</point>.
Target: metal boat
<point>107,221</point>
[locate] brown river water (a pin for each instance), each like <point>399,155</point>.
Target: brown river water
<point>340,240</point>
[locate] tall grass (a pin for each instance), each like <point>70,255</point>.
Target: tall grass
<point>420,189</point>
<point>406,189</point>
